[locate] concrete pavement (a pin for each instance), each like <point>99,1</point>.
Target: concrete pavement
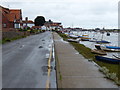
<point>74,71</point>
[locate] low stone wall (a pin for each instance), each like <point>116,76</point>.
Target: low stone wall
<point>14,33</point>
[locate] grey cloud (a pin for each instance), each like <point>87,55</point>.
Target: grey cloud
<point>83,13</point>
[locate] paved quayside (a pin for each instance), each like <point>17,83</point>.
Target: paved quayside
<point>25,62</point>
<point>74,71</point>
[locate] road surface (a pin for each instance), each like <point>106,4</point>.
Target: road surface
<point>25,61</point>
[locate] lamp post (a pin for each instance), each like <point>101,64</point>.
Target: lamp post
<point>26,21</point>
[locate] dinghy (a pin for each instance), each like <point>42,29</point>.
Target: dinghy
<point>100,52</point>
<point>73,40</point>
<point>108,59</point>
<point>73,36</point>
<point>102,42</point>
<point>108,48</point>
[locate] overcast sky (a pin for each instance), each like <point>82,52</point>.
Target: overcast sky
<point>76,13</point>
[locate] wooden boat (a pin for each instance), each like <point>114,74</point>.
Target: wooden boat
<point>73,40</point>
<point>85,38</point>
<point>100,52</point>
<point>85,35</point>
<point>108,59</point>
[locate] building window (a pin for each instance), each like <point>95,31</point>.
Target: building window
<point>4,25</point>
<point>16,25</point>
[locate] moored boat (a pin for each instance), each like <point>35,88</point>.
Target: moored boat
<point>73,36</point>
<point>93,40</point>
<point>73,40</point>
<point>108,48</point>
<point>83,39</point>
<point>100,52</point>
<point>85,35</point>
<point>108,59</point>
<point>113,47</point>
<point>102,42</point>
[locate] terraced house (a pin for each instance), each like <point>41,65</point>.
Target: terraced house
<point>11,18</point>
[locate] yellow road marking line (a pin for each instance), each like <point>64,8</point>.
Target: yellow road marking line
<point>49,70</point>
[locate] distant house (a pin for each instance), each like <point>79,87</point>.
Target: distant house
<point>36,27</point>
<point>11,18</point>
<point>29,23</point>
<point>53,25</point>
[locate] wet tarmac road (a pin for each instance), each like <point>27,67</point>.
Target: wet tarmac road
<point>24,62</point>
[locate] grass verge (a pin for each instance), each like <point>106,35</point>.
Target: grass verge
<point>5,40</point>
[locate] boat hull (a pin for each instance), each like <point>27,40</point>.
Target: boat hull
<point>112,47</point>
<point>84,39</point>
<point>107,49</point>
<point>102,42</point>
<point>100,52</point>
<point>107,59</point>
<point>72,40</point>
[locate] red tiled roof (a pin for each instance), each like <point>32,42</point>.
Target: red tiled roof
<point>36,27</point>
<point>11,14</point>
<point>55,24</point>
<point>16,12</point>
<point>29,21</point>
<point>11,17</point>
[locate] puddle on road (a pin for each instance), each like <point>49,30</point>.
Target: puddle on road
<point>43,40</point>
<point>22,46</point>
<point>77,53</point>
<point>17,43</point>
<point>40,46</point>
<point>47,56</point>
<point>45,69</point>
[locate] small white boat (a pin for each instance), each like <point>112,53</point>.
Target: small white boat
<point>73,40</point>
<point>73,36</point>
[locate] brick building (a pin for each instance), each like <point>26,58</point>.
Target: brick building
<point>11,18</point>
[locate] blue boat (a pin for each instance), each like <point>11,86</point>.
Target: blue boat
<point>108,48</point>
<point>84,39</point>
<point>112,47</point>
<point>102,41</point>
<point>108,59</point>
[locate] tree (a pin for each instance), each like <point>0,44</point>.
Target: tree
<point>39,21</point>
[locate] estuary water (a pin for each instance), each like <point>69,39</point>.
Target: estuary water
<point>113,38</point>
